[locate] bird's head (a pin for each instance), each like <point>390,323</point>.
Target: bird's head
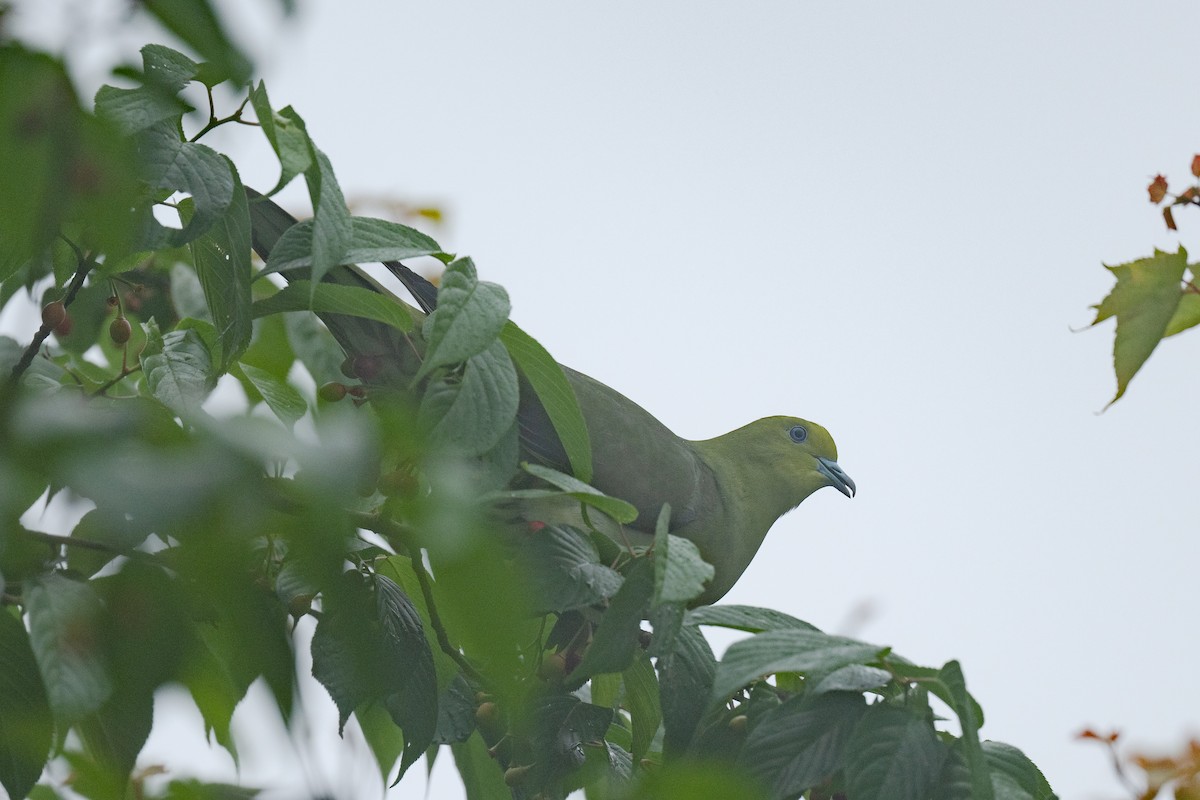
<point>764,469</point>
<point>790,458</point>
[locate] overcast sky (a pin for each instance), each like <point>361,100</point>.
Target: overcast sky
<point>885,217</point>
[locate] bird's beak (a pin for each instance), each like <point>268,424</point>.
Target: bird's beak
<point>838,479</point>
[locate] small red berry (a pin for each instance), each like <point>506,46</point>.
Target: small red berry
<point>65,327</point>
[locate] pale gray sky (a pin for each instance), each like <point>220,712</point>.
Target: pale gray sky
<point>885,217</point>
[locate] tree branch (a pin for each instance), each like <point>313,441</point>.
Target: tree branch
<point>81,271</point>
<point>438,628</point>
<point>88,544</point>
<point>398,533</point>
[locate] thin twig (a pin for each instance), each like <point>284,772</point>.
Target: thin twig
<point>398,533</point>
<point>436,621</point>
<point>87,544</point>
<point>214,122</point>
<point>120,376</point>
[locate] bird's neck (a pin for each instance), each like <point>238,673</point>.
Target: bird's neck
<point>747,489</point>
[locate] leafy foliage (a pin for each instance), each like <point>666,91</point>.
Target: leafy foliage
<point>442,620</point>
<point>1154,298</point>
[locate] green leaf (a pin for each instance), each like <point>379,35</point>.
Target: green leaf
<point>468,319</point>
<point>64,629</point>
<point>146,633</point>
<point>605,688</point>
<point>215,684</point>
<point>414,706</point>
<point>680,573</point>
<point>685,679</point>
<point>616,638</point>
<point>666,619</point>
<point>332,298</point>
<point>746,618</point>
<point>1009,762</point>
<point>933,680</point>
<point>399,569</point>
<point>561,726</point>
<point>1144,301</point>
<point>667,610</point>
<point>315,348</point>
<point>456,712</point>
<point>1187,315</point>
<point>332,229</point>
<point>270,349</point>
<point>222,259</point>
<point>192,789</point>
<point>26,724</point>
<point>286,133</point>
<point>687,780</point>
<point>645,709</point>
<point>195,22</point>
<point>481,777</point>
<point>177,166</point>
<point>470,416</point>
<point>388,661</point>
<point>385,739</point>
<point>554,391</point>
<point>619,510</point>
<point>135,110</point>
<point>810,652</point>
<point>370,240</point>
<point>22,555</point>
<point>892,755</point>
<point>59,164</point>
<point>165,73</point>
<point>964,706</point>
<point>179,375</point>
<point>285,401</point>
<point>565,571</point>
<point>115,734</point>
<point>851,678</point>
<point>168,68</point>
<point>797,745</point>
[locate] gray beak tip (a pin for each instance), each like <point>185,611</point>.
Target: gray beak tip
<point>838,478</point>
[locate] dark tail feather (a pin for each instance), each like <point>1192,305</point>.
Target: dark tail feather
<point>424,291</point>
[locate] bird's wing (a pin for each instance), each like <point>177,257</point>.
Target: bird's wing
<point>634,456</point>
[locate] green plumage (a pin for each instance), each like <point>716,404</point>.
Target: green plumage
<point>725,493</point>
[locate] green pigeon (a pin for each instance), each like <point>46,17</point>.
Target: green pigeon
<point>725,493</point>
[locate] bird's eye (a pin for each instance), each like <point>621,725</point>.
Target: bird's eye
<point>798,433</point>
